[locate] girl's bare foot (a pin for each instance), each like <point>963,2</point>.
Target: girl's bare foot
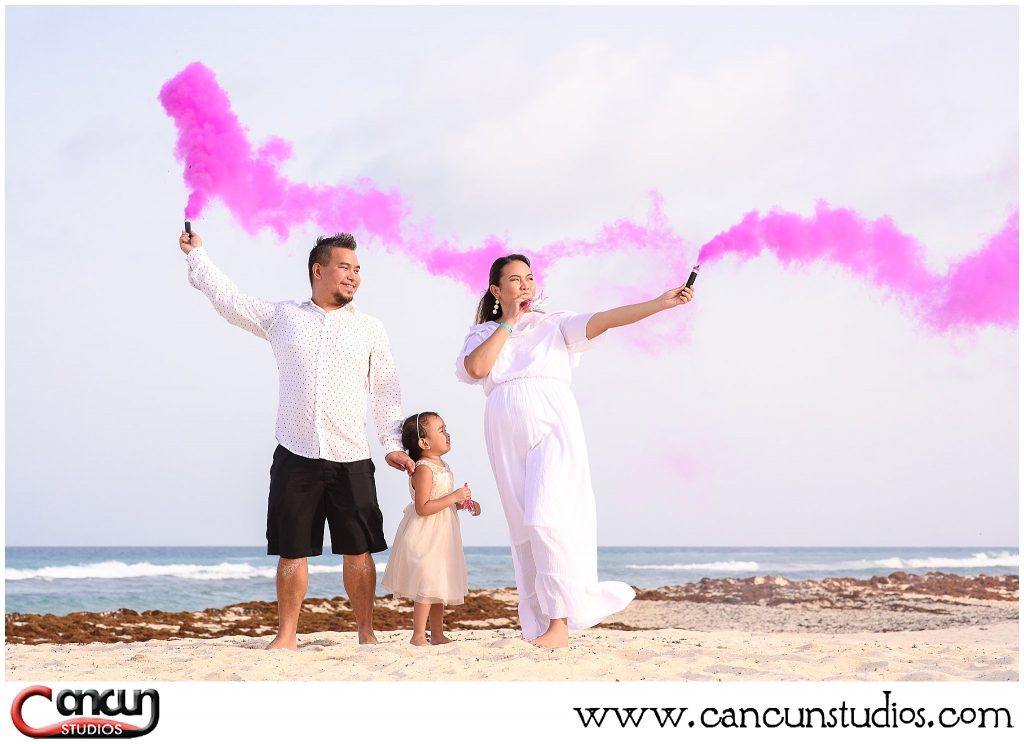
<point>420,640</point>
<point>367,638</point>
<point>436,639</point>
<point>288,644</point>
<point>556,636</point>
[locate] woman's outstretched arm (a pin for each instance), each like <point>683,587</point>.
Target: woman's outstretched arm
<point>629,314</point>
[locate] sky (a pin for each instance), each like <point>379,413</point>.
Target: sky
<point>787,405</point>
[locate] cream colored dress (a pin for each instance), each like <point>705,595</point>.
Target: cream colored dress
<point>426,563</point>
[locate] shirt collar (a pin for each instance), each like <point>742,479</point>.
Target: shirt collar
<point>350,307</point>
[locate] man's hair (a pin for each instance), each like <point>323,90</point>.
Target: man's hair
<point>321,252</point>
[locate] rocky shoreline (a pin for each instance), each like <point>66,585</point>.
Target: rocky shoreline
<point>893,603</point>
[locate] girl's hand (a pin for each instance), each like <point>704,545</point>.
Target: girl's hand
<point>678,296</point>
<point>459,495</point>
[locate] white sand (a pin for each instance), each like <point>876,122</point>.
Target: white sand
<point>974,652</point>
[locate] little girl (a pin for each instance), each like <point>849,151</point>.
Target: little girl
<point>426,563</point>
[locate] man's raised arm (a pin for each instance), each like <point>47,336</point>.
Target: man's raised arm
<point>249,313</point>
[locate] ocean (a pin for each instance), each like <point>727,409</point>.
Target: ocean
<point>63,580</point>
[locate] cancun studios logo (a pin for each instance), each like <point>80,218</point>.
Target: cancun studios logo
<point>105,703</point>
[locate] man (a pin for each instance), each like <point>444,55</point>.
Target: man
<point>329,357</point>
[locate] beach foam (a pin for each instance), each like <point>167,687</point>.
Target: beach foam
<point>193,571</point>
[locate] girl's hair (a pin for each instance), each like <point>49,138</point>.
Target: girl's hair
<point>411,435</point>
<point>485,310</point>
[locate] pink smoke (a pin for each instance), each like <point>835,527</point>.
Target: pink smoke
<point>979,289</point>
<point>221,163</point>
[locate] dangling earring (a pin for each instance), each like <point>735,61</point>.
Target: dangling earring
<point>494,310</point>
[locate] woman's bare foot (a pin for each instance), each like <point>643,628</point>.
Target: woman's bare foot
<point>288,644</point>
<point>419,640</point>
<point>556,636</point>
<point>436,639</point>
<point>367,638</point>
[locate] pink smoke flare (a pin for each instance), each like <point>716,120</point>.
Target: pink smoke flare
<point>979,289</point>
<point>222,164</point>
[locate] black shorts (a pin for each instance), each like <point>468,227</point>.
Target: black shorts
<point>304,493</point>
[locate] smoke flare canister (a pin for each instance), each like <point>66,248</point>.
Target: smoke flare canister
<point>188,228</point>
<point>693,276</point>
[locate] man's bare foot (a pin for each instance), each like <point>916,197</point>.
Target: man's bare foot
<point>419,641</point>
<point>367,638</point>
<point>556,636</point>
<point>436,639</point>
<point>285,643</point>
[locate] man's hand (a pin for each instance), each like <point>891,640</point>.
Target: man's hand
<point>398,459</point>
<point>187,243</point>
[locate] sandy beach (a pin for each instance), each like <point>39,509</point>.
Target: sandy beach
<point>899,627</point>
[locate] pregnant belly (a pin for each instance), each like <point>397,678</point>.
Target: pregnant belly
<point>531,407</point>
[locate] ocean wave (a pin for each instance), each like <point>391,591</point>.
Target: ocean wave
<point>991,559</point>
<point>978,560</point>
<point>713,566</point>
<point>188,571</point>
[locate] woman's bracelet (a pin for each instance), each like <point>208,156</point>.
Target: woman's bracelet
<point>506,326</point>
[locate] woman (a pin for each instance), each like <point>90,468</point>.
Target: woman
<point>537,449</point>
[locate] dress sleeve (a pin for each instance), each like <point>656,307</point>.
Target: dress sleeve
<point>476,336</point>
<point>574,331</point>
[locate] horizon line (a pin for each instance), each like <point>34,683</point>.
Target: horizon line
<point>239,545</point>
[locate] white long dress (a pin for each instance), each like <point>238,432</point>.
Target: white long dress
<point>538,453</point>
